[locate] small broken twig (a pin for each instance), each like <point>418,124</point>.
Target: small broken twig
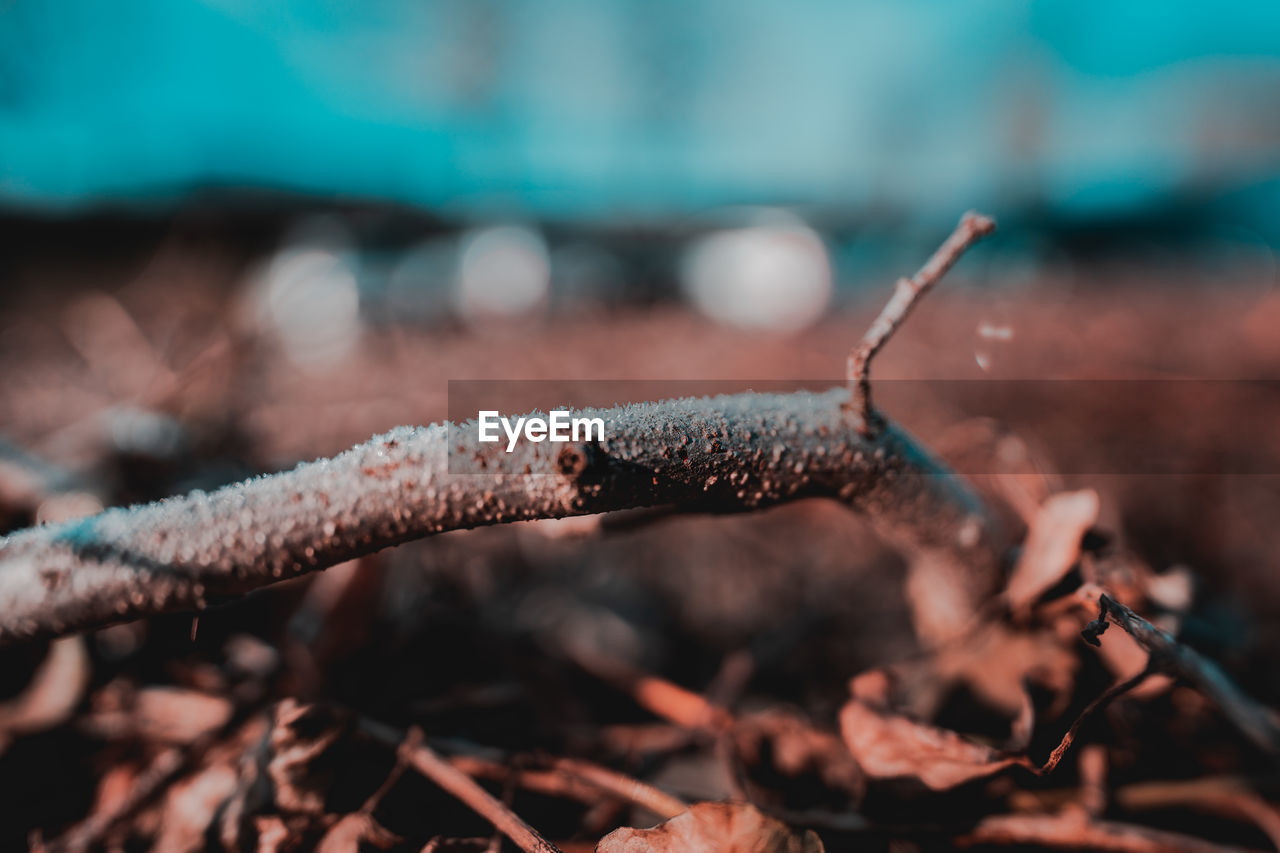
<point>1102,699</point>
<point>625,787</point>
<point>1253,720</point>
<point>426,761</point>
<point>1072,831</point>
<point>907,292</point>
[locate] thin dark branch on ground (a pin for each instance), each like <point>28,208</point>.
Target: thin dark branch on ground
<point>1100,701</point>
<point>1074,831</point>
<point>625,787</point>
<point>428,762</point>
<point>1169,656</point>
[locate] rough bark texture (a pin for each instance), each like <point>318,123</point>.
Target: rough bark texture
<point>731,452</point>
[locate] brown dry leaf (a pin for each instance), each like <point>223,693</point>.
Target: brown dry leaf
<point>1052,545</point>
<point>55,689</point>
<point>175,715</point>
<point>996,661</point>
<point>299,769</point>
<point>941,596</point>
<point>795,748</point>
<point>890,746</point>
<point>347,835</point>
<point>169,715</point>
<point>273,833</point>
<point>713,828</point>
<point>190,806</point>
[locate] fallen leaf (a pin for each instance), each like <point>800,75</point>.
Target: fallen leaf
<point>190,806</point>
<point>53,694</point>
<point>302,768</point>
<point>273,834</point>
<point>890,746</point>
<point>941,595</point>
<point>1052,545</point>
<point>713,828</point>
<point>170,715</point>
<point>795,748</point>
<point>996,662</point>
<point>347,835</point>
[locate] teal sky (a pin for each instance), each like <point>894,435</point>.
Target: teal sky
<point>625,109</point>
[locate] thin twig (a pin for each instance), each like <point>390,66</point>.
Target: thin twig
<point>372,802</point>
<point>1255,721</point>
<point>1073,831</point>
<point>508,800</point>
<point>1232,797</point>
<point>661,697</point>
<point>1098,702</point>
<point>585,782</point>
<point>427,762</point>
<point>625,787</point>
<point>907,292</point>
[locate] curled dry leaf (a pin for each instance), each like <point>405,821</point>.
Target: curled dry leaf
<point>1052,545</point>
<point>890,746</point>
<point>713,828</point>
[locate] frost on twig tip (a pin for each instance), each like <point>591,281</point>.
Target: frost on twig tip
<point>907,292</point>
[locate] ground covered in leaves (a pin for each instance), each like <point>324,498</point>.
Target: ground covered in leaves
<point>649,680</point>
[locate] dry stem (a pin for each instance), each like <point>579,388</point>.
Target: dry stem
<point>427,762</point>
<point>907,292</point>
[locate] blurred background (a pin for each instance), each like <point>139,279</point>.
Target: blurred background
<point>236,235</point>
<point>326,179</point>
<point>489,157</point>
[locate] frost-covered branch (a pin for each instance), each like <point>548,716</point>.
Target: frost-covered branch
<point>729,452</point>
<point>733,452</point>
